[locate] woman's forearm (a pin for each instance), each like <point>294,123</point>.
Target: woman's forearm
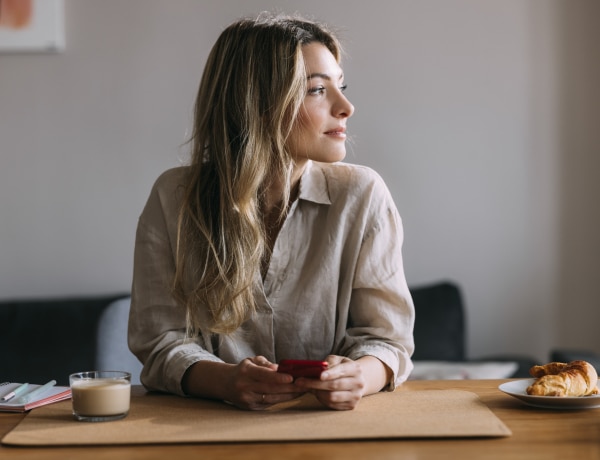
<point>207,379</point>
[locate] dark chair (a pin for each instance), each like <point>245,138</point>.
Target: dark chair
<point>566,356</point>
<point>43,339</point>
<point>440,332</point>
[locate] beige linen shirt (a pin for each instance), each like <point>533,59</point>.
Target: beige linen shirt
<point>335,283</point>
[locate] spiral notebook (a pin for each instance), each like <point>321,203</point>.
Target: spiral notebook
<point>32,397</point>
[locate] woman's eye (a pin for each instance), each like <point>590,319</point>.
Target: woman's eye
<point>317,90</point>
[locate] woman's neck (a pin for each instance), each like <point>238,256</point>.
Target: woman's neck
<point>275,210</point>
<point>274,194</point>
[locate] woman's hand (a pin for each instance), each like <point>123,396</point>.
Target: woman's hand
<point>252,384</point>
<point>345,382</point>
<point>256,385</point>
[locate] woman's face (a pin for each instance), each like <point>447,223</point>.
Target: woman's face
<point>319,132</point>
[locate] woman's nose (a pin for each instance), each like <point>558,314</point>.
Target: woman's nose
<point>343,107</point>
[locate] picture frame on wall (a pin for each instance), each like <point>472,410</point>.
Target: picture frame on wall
<point>32,26</point>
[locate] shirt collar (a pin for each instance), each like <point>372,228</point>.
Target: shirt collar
<point>313,184</point>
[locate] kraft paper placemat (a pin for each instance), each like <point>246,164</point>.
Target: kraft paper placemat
<point>164,419</point>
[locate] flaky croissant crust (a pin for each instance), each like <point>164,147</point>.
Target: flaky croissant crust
<point>577,378</point>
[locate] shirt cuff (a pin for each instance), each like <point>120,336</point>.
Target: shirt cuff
<point>178,366</point>
<point>400,365</point>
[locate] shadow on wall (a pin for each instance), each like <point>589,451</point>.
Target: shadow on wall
<point>579,164</point>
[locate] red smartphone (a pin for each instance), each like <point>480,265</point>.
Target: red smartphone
<point>302,367</point>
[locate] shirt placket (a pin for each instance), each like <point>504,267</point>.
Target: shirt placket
<point>275,279</point>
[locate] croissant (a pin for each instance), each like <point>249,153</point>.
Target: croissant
<point>577,378</point>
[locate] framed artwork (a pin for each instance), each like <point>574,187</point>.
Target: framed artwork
<point>32,26</point>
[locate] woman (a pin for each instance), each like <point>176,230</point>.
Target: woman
<point>265,247</point>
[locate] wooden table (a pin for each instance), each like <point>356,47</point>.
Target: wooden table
<point>537,434</point>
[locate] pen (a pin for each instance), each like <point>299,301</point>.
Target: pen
<point>35,393</point>
<point>16,392</point>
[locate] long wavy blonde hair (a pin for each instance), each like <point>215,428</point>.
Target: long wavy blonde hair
<point>249,97</point>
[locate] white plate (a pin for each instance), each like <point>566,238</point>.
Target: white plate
<point>518,389</point>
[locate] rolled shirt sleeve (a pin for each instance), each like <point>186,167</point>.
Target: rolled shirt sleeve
<point>156,321</point>
<point>381,312</point>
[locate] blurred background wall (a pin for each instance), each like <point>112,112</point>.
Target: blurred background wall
<point>482,117</point>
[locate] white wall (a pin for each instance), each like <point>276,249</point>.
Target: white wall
<point>481,116</point>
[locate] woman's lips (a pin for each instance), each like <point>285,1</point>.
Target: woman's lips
<point>337,132</point>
